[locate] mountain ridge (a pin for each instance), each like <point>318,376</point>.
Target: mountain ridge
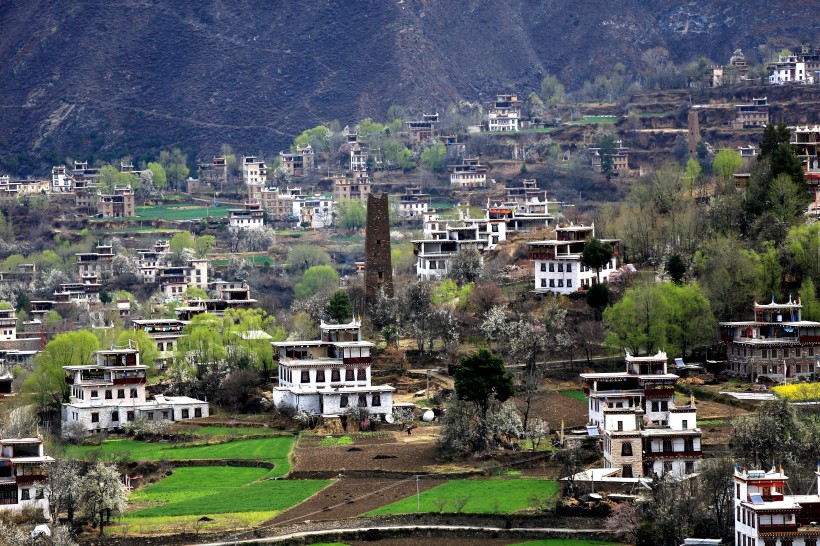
<point>82,78</point>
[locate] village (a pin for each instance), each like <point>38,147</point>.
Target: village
<point>595,325</point>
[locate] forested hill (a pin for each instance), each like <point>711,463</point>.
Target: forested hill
<point>90,76</point>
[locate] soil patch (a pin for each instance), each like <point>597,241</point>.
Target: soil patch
<point>555,407</point>
<point>396,452</point>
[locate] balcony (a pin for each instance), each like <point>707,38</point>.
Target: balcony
<point>672,454</point>
<point>783,528</point>
<point>30,479</point>
<point>129,380</point>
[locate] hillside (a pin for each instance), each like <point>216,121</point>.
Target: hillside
<point>85,78</point>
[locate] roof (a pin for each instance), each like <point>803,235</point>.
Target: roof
<point>254,335</point>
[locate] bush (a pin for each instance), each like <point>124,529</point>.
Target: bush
<point>142,429</point>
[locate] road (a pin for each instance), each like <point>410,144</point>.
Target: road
<point>525,532</point>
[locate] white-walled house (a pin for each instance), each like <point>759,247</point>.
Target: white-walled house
<point>644,431</point>
<point>557,262</point>
<point>111,392</point>
<point>23,473</point>
<point>330,375</point>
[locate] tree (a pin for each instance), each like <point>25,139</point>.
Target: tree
<point>623,520</point>
<point>175,165</point>
<point>318,278</point>
<point>352,214</point>
<point>465,266</point>
<point>774,134</point>
<point>552,90</point>
<point>729,275</point>
<point>158,176</point>
<point>139,339</point>
<point>201,346</point>
<point>203,245</point>
<point>598,297</point>
<point>304,256</point>
<point>432,158</point>
<point>481,376</point>
<point>180,241</point>
<point>726,163</point>
<point>47,383</point>
<point>339,309</point>
<point>64,488</point>
<point>596,254</point>
<point>102,492</point>
<point>808,297</point>
<point>676,268</point>
<point>607,150</point>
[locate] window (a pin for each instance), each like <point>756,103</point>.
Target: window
<point>552,283</point>
<point>690,467</point>
<point>95,417</point>
<point>560,283</point>
<point>150,416</point>
<point>626,470</point>
<point>655,406</point>
<point>305,377</point>
<point>620,425</point>
<point>186,414</point>
<point>362,374</point>
<point>543,266</point>
<point>664,406</point>
<point>684,424</point>
<point>25,494</point>
<point>560,268</point>
<point>552,267</point>
<point>667,466</point>
<point>197,412</point>
<point>129,415</point>
<point>120,393</point>
<point>108,395</point>
<point>569,283</point>
<point>626,449</point>
<point>667,446</point>
<point>320,376</point>
<point>362,400</point>
<point>95,394</point>
<point>343,401</point>
<point>349,374</point>
<point>569,268</point>
<point>40,494</point>
<point>115,416</point>
<point>334,375</point>
<point>543,283</point>
<point>133,393</point>
<point>165,414</point>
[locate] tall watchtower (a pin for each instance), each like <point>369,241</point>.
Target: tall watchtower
<point>378,269</point>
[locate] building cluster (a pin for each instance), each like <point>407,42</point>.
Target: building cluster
<point>81,181</point>
<point>799,68</point>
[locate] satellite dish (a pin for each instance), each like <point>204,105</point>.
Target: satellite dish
<point>428,416</point>
<point>389,418</point>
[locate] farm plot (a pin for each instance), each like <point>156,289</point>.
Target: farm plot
<point>475,497</point>
<point>185,211</point>
<point>394,452</point>
<point>485,541</point>
<point>225,494</point>
<point>275,450</point>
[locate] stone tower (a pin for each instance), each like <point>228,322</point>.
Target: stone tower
<point>378,269</point>
<point>694,132</point>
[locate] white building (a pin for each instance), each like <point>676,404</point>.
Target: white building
<point>766,516</point>
<point>254,175</point>
<point>470,173</point>
<point>111,392</point>
<point>61,181</point>
<point>644,431</point>
<point>23,473</point>
<point>441,241</point>
<point>557,262</point>
<point>152,260</point>
<point>314,211</point>
<point>175,280</point>
<point>250,217</point>
<point>413,203</point>
<point>330,375</point>
<point>800,67</point>
<point>504,114</point>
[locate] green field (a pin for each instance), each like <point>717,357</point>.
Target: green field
<point>565,542</point>
<point>578,395</point>
<point>594,119</point>
<point>219,490</point>
<point>485,497</point>
<point>236,431</point>
<point>274,450</point>
<point>181,211</point>
<point>254,260</point>
<point>654,114</point>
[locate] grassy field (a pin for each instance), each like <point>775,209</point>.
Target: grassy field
<point>235,431</point>
<point>654,114</point>
<point>565,542</point>
<point>275,450</point>
<point>594,119</point>
<point>254,260</point>
<point>578,395</point>
<point>182,211</point>
<point>231,496</point>
<point>712,422</point>
<point>483,497</point>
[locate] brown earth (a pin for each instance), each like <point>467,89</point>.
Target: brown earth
<point>397,452</point>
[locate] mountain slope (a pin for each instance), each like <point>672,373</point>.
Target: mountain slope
<point>94,77</point>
